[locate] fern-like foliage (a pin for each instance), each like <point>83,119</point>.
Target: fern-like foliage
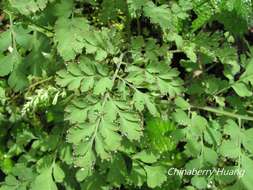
<point>116,94</point>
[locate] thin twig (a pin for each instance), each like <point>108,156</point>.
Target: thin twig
<point>40,82</point>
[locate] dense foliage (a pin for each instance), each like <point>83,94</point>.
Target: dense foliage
<point>111,94</point>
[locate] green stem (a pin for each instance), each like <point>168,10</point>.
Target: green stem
<point>128,22</point>
<point>106,96</point>
<point>222,112</point>
<point>239,143</point>
<point>176,51</point>
<point>99,119</point>
<point>41,30</point>
<point>202,150</point>
<point>13,34</point>
<point>40,82</point>
<point>68,99</point>
<point>138,26</point>
<point>128,83</point>
<point>223,90</point>
<point>233,83</point>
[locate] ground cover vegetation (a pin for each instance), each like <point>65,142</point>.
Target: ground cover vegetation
<point>111,94</point>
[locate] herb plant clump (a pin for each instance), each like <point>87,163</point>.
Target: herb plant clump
<point>112,94</point>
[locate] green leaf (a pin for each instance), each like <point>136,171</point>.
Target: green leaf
<point>5,40</point>
<point>247,76</point>
<point>232,129</point>
<point>6,165</point>
<point>102,43</point>
<point>230,149</point>
<point>241,89</point>
<point>196,163</point>
<point>103,85</point>
<point>192,147</point>
<point>6,64</point>
<point>138,174</point>
<point>156,175</point>
<point>27,7</point>
<point>84,155</point>
<point>247,165</point>
<point>180,102</point>
<point>44,181</point>
<point>82,174</point>
<point>58,173</point>
<point>70,36</point>
<point>181,117</point>
<point>199,182</point>
<point>159,15</point>
<point>140,100</point>
<point>10,183</point>
<point>210,156</point>
<point>130,126</point>
<point>199,124</point>
<point>213,134</point>
<point>117,172</point>
<point>63,8</point>
<point>189,49</point>
<point>247,139</point>
<point>95,181</point>
<point>135,6</point>
<point>146,156</point>
<point>203,16</point>
<point>237,29</point>
<point>171,88</point>
<point>110,9</point>
<point>158,132</point>
<point>17,79</point>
